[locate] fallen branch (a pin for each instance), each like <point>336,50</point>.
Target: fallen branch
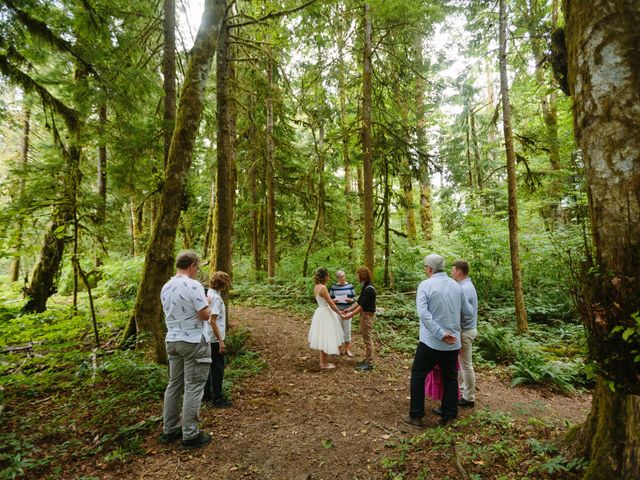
<point>458,460</point>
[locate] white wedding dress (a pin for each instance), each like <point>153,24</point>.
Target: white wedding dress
<point>326,329</point>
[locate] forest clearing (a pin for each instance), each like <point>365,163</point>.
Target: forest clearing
<point>291,420</point>
<point>185,186</point>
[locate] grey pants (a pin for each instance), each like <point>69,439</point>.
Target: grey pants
<point>188,371</point>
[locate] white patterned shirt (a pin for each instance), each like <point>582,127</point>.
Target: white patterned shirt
<point>182,298</point>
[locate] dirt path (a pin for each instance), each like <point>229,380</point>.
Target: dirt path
<point>294,421</point>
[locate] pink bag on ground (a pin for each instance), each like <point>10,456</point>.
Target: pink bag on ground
<point>433,384</point>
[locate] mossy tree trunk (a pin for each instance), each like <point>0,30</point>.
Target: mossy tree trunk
<point>516,273</point>
<point>367,144</point>
<point>342,89</point>
<point>604,80</point>
<point>147,312</point>
<point>426,213</point>
<point>270,178</point>
<point>226,156</point>
<point>169,74</point>
<point>16,244</point>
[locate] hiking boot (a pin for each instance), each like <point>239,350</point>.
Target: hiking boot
<point>444,421</point>
<point>197,442</point>
<point>465,403</point>
<point>171,436</point>
<point>413,421</point>
<point>222,403</point>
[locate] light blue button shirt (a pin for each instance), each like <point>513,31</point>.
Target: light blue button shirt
<point>472,297</point>
<point>441,304</point>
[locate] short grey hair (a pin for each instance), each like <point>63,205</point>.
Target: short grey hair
<point>435,261</point>
<point>340,273</point>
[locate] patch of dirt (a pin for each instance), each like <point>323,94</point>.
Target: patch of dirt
<point>295,421</point>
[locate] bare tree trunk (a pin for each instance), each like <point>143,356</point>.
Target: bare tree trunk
<point>516,274</point>
<point>14,269</point>
<point>270,179</point>
<point>169,74</point>
<point>604,80</point>
<point>147,312</point>
<point>367,147</point>
<point>133,224</point>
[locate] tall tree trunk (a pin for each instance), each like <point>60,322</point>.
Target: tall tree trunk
<point>477,159</point>
<point>133,225</point>
<point>426,213</point>
<point>342,89</point>
<point>14,269</point>
<point>516,274</point>
<point>102,168</point>
<point>226,156</point>
<point>270,178</point>
<point>548,105</point>
<point>255,219</point>
<point>169,74</point>
<point>320,200</point>
<point>387,241</point>
<point>367,146</point>
<point>209,233</point>
<point>147,312</point>
<point>604,80</point>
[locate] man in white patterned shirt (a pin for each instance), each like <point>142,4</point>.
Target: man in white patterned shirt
<point>186,311</point>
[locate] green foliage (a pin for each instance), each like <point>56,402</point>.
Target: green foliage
<point>15,456</point>
<point>120,279</point>
<point>631,335</point>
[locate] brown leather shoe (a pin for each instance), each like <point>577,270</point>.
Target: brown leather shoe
<point>413,421</point>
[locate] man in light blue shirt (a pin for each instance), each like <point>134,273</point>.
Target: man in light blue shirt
<point>441,304</point>
<point>469,332</point>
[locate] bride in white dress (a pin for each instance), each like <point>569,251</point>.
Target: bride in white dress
<point>325,333</point>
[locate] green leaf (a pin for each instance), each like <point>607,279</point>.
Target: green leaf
<point>627,333</point>
<point>327,444</point>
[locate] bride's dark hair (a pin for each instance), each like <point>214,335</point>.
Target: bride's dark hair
<point>320,274</point>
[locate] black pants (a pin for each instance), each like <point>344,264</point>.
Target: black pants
<point>423,362</point>
<point>213,387</point>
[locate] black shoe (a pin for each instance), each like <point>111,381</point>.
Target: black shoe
<point>171,436</point>
<point>465,403</point>
<point>222,403</point>
<point>200,441</point>
<point>413,421</point>
<point>364,367</point>
<point>437,411</point>
<point>444,421</point>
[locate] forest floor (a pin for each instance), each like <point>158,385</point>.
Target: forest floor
<point>295,421</point>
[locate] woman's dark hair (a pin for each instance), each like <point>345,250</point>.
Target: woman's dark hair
<point>320,275</point>
<point>364,274</point>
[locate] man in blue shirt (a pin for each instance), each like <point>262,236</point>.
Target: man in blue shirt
<point>441,304</point>
<point>469,332</point>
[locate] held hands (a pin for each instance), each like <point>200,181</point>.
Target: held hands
<point>449,338</point>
